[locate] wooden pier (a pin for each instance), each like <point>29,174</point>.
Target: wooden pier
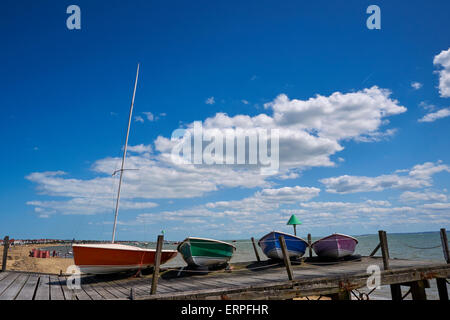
<point>255,280</point>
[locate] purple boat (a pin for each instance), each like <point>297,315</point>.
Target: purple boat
<point>335,246</point>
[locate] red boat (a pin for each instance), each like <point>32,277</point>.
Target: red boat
<point>112,257</point>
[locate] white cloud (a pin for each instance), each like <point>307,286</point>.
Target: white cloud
<point>310,132</point>
<point>139,119</point>
<point>149,116</point>
<point>411,196</point>
<point>419,176</point>
<point>210,100</point>
<point>416,85</point>
<point>244,101</point>
<point>430,117</point>
<point>443,60</point>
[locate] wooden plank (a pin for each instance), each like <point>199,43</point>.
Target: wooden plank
<point>7,281</point>
<point>3,275</point>
<point>155,277</point>
<point>43,288</point>
<point>256,250</point>
<point>69,294</point>
<point>13,290</point>
<point>106,291</point>
<point>287,261</point>
<point>56,292</point>
<point>29,289</point>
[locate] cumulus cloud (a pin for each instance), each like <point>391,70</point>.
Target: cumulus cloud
<point>443,60</point>
<point>310,131</point>
<point>416,85</point>
<point>419,176</point>
<point>210,100</point>
<point>411,196</point>
<point>433,116</point>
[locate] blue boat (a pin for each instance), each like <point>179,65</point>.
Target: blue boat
<point>271,247</point>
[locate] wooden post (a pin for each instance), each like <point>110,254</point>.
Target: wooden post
<point>445,245</point>
<point>309,245</point>
<point>442,288</point>
<point>384,249</point>
<point>159,245</point>
<point>5,253</point>
<point>418,290</point>
<point>295,229</point>
<point>132,294</point>
<point>287,261</point>
<point>256,250</point>
<point>341,295</point>
<point>396,290</point>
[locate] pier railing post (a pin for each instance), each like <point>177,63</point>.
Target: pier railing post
<point>309,245</point>
<point>256,250</point>
<point>5,253</point>
<point>442,288</point>
<point>287,261</point>
<point>445,245</point>
<point>384,249</point>
<point>159,245</point>
<point>396,291</point>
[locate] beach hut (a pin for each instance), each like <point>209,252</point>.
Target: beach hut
<point>294,221</point>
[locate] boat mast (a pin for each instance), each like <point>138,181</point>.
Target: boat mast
<point>123,157</point>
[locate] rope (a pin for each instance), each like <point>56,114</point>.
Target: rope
<point>420,248</point>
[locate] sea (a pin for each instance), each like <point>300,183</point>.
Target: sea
<point>414,246</point>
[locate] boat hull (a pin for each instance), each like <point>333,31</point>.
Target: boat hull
<point>199,252</point>
<point>271,247</point>
<point>113,258</point>
<point>335,246</point>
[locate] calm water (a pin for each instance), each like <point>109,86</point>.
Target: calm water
<point>418,246</point>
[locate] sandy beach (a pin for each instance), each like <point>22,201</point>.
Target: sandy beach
<point>19,260</point>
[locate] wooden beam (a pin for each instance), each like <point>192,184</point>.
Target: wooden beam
<point>256,250</point>
<point>418,290</point>
<point>309,245</point>
<point>287,261</point>
<point>445,245</point>
<point>442,288</point>
<point>396,292</point>
<point>5,253</point>
<point>159,245</point>
<point>375,250</point>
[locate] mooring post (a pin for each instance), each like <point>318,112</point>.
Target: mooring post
<point>256,250</point>
<point>445,245</point>
<point>132,294</point>
<point>287,261</point>
<point>5,252</point>
<point>396,291</point>
<point>384,249</point>
<point>309,245</point>
<point>442,288</point>
<point>159,245</point>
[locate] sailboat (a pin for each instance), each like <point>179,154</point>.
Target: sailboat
<point>112,257</point>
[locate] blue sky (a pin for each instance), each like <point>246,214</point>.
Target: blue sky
<point>65,96</point>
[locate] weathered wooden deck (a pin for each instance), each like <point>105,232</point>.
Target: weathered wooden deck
<point>253,280</point>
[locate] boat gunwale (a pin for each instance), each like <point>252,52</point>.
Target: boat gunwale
<point>285,233</point>
<point>334,234</point>
<point>207,239</point>
<point>122,249</point>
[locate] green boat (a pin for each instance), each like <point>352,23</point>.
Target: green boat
<point>200,252</point>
